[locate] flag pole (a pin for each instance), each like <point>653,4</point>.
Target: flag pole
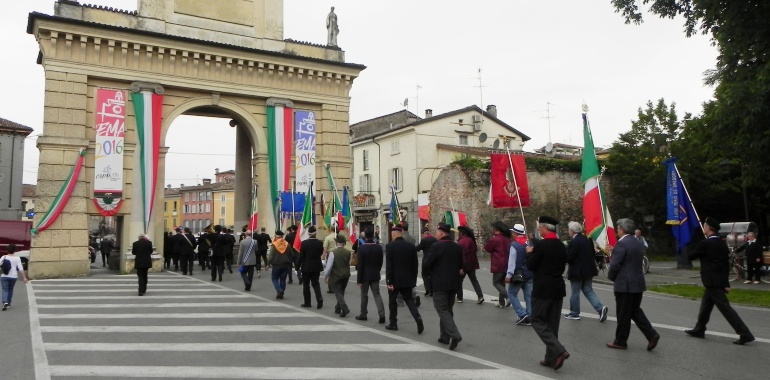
<point>690,198</point>
<point>293,215</point>
<point>515,184</point>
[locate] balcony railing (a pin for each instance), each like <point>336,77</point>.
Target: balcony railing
<point>364,200</point>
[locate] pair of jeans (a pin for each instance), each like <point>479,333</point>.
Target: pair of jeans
<point>474,282</point>
<point>278,275</point>
<point>8,284</point>
<point>375,287</point>
<point>585,286</point>
<point>513,295</point>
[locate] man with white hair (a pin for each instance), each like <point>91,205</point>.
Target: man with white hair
<point>582,270</point>
<point>142,249</point>
<point>247,259</point>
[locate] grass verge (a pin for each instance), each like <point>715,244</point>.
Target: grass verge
<point>738,296</point>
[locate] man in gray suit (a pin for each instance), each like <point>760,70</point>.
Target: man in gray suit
<point>626,273</point>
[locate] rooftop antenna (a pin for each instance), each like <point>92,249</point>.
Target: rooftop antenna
<point>406,104</point>
<point>417,100</point>
<point>549,117</point>
<point>481,92</point>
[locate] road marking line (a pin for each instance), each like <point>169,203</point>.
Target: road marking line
<point>195,372</point>
<point>126,290</point>
<point>158,305</point>
<point>124,279</point>
<point>134,297</point>
<point>146,317</point>
<point>42,370</point>
<point>236,347</point>
<point>202,329</point>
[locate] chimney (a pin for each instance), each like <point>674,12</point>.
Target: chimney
<point>216,171</point>
<point>181,186</point>
<point>207,181</point>
<point>492,110</point>
<point>428,113</point>
<point>168,186</point>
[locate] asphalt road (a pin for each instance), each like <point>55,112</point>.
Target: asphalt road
<point>190,327</point>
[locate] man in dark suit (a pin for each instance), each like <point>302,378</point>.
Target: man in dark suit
<point>626,273</point>
<point>424,245</point>
<point>445,266</point>
<point>582,270</point>
<point>263,240</point>
<point>714,271</point>
<point>309,264</point>
<point>547,259</point>
<point>368,277</point>
<point>186,244</point>
<point>142,249</point>
<point>291,234</point>
<point>401,277</point>
<point>220,245</point>
<point>753,257</point>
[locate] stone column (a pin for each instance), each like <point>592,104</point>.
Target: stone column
<point>243,177</point>
<point>264,199</point>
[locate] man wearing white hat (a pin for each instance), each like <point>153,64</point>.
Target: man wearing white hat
<point>523,277</point>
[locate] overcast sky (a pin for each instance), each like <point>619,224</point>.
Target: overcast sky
<point>530,53</point>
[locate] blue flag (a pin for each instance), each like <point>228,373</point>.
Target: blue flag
<point>680,211</point>
<point>292,206</point>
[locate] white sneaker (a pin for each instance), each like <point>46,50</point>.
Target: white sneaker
<point>259,274</point>
<point>747,282</point>
<point>755,282</point>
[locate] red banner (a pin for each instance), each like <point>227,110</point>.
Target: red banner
<point>506,191</point>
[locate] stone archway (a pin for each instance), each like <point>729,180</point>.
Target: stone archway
<point>238,62</point>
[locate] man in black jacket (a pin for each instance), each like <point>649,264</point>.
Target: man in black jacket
<point>220,244</point>
<point>714,271</point>
<point>309,264</point>
<point>753,257</point>
<point>547,260</point>
<point>445,267</point>
<point>368,267</point>
<point>401,277</point>
<point>186,246</point>
<point>291,234</point>
<point>425,243</point>
<point>142,249</point>
<point>582,270</point>
<point>263,240</point>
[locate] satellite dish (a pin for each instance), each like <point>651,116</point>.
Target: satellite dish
<point>549,149</point>
<point>482,137</point>
<point>496,144</point>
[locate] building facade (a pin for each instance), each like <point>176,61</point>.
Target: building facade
<point>407,152</point>
<point>12,137</point>
<point>171,208</point>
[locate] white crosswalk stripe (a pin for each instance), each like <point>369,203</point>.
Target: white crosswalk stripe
<point>83,331</point>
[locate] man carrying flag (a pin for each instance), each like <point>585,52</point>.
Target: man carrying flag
<point>598,222</point>
<point>681,214</point>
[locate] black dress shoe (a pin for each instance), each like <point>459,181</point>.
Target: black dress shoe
<point>320,304</point>
<point>392,327</point>
<point>142,293</point>
<point>695,333</point>
<point>743,340</point>
<point>560,360</point>
<point>544,363</point>
<point>306,305</point>
<point>361,317</point>
<point>337,310</point>
<point>382,320</point>
<point>344,313</point>
<point>417,301</point>
<point>653,342</point>
<point>444,341</point>
<point>453,343</point>
<point>420,326</point>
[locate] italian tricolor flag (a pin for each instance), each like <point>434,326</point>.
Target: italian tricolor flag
<point>455,219</point>
<point>280,136</point>
<point>58,204</point>
<point>148,108</point>
<point>598,222</point>
<point>307,219</point>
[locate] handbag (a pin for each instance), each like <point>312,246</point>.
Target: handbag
<point>354,259</point>
<point>517,277</point>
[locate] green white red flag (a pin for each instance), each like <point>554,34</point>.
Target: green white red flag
<point>455,219</point>
<point>280,136</point>
<point>58,204</point>
<point>148,108</point>
<point>598,222</point>
<point>307,218</point>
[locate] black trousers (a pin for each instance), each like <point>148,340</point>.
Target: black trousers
<point>718,297</point>
<point>426,283</point>
<point>217,267</point>
<point>141,273</point>
<point>406,294</point>
<point>263,255</point>
<point>444,302</point>
<point>754,270</point>
<point>229,260</point>
<point>628,308</point>
<point>203,259</point>
<point>187,262</point>
<point>474,282</point>
<point>105,256</point>
<point>546,316</point>
<point>248,275</point>
<point>166,260</point>
<point>175,259</point>
<point>308,279</point>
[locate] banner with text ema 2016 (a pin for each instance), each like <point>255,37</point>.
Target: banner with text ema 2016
<point>109,128</point>
<point>304,150</point>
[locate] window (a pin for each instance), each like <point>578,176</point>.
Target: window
<point>174,207</point>
<point>194,197</point>
<point>221,221</point>
<point>396,178</point>
<point>208,207</point>
<point>185,209</point>
<point>224,197</point>
<point>203,195</point>
<point>187,197</point>
<point>394,147</point>
<point>222,210</point>
<point>208,196</point>
<point>173,222</point>
<point>366,159</point>
<point>463,139</point>
<point>365,183</point>
<point>165,205</point>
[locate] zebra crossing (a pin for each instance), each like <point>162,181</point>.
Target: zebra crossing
<point>98,327</point>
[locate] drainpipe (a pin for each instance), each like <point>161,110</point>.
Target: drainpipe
<point>379,172</point>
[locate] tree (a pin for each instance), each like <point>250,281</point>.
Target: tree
<point>636,162</point>
<point>741,32</point>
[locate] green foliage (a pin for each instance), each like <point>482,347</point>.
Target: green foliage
<point>544,164</point>
<point>740,296</point>
<point>469,162</point>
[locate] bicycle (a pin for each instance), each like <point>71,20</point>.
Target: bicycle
<point>603,263</point>
<point>740,269</point>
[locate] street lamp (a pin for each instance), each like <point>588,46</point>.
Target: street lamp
<point>729,163</point>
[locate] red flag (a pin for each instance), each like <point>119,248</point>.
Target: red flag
<point>504,188</point>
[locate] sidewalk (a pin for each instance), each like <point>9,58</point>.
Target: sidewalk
<point>665,272</point>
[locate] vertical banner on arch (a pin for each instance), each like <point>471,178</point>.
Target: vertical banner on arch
<point>148,112</point>
<point>304,150</point>
<point>109,128</point>
<point>280,136</point>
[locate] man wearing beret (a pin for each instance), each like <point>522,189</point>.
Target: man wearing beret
<point>714,272</point>
<point>498,247</point>
<point>445,264</point>
<point>401,277</point>
<point>547,260</point>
